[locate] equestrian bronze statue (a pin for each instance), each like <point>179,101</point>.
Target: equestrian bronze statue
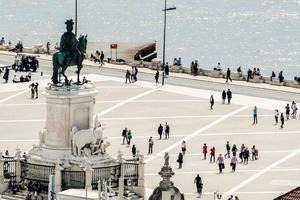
<point>72,52</point>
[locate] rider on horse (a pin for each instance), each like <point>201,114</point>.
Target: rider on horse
<point>68,43</point>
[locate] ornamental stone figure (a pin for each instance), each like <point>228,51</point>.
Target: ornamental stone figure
<point>166,186</point>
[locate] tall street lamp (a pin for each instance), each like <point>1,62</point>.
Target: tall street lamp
<point>76,18</point>
<point>164,41</point>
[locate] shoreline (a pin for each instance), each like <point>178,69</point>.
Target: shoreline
<point>180,75</point>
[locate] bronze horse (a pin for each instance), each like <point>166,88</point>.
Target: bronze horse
<point>61,61</point>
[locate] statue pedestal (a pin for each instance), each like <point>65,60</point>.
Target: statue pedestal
<point>67,106</point>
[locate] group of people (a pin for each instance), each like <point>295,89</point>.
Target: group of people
<point>290,112</point>
<point>225,95</point>
<point>34,188</point>
<point>252,73</point>
<point>22,79</point>
<point>98,57</point>
<point>231,152</point>
<point>26,64</point>
<point>131,77</point>
<point>194,68</point>
<point>177,62</point>
<point>34,89</point>
<point>164,130</point>
<point>280,76</point>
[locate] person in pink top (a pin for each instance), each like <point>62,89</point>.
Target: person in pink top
<point>220,162</point>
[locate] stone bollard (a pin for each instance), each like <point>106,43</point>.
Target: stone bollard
<point>18,165</point>
<point>1,169</point>
<point>141,176</point>
<point>88,175</point>
<point>58,176</point>
<point>121,178</point>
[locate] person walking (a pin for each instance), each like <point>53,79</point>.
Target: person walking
<point>150,145</point>
<point>234,150</point>
<point>233,163</point>
<point>160,131</point>
<point>6,75</point>
<point>183,147</point>
<point>167,131</point>
<point>254,115</point>
<point>212,102</point>
<point>229,96</point>
<point>129,137</point>
<point>101,58</point>
<point>124,135</point>
<point>227,150</point>
<point>31,86</point>
<point>133,150</point>
<point>220,162</point>
<point>254,153</point>
<point>294,109</point>
<point>287,111</point>
<point>204,150</point>
<point>282,120</point>
<point>276,115</point>
<point>36,90</point>
<point>223,96</point>
<point>212,155</point>
<point>180,160</point>
<point>246,156</point>
<point>127,76</point>
<point>156,77</point>
<point>228,75</point>
<point>48,47</point>
<point>199,185</point>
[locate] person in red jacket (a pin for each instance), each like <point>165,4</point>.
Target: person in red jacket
<point>204,150</point>
<point>213,154</point>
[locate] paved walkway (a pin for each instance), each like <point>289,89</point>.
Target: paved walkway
<point>141,106</point>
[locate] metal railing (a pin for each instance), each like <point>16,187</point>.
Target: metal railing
<point>9,169</point>
<point>111,173</point>
<point>73,179</point>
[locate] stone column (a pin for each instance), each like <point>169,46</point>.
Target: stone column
<point>18,165</point>
<point>121,178</point>
<point>141,176</point>
<point>58,177</point>
<point>88,175</point>
<point>1,169</point>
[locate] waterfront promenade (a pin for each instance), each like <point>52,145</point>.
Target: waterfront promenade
<point>184,103</point>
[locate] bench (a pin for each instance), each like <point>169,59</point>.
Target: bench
<point>176,68</point>
<point>256,79</point>
<point>275,81</point>
<point>236,76</point>
<point>215,74</point>
<point>292,83</point>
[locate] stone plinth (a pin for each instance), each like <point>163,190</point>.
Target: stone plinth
<point>67,107</point>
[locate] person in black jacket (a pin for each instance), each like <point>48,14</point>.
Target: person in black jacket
<point>223,96</point>
<point>228,74</point>
<point>229,96</point>
<point>180,160</point>
<point>160,131</point>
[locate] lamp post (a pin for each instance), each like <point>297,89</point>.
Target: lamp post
<point>76,18</point>
<point>164,40</point>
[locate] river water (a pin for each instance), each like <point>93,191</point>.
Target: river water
<point>261,33</point>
